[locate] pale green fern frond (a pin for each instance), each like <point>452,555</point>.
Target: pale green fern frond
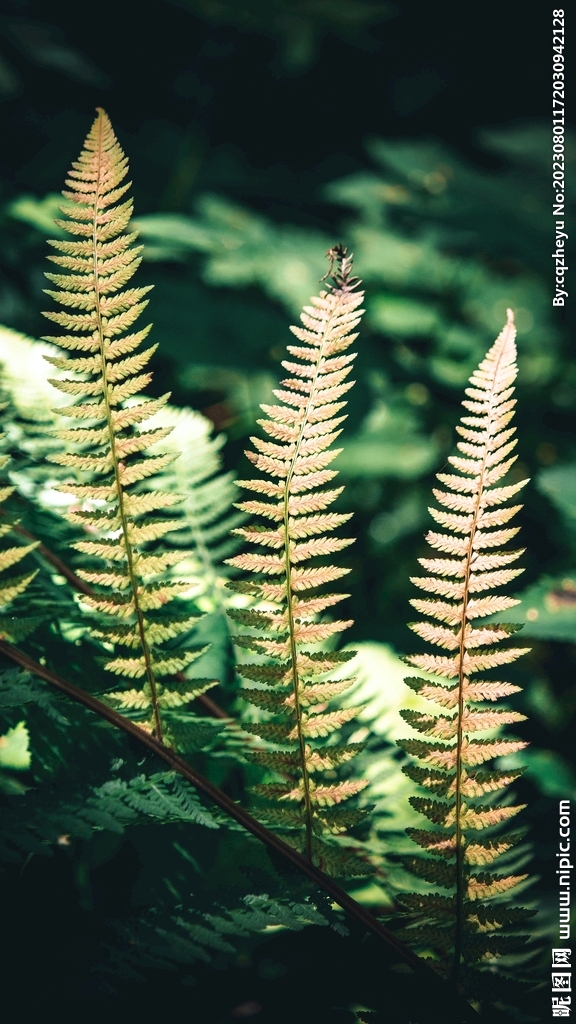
<point>163,938</point>
<point>208,495</point>
<point>292,686</point>
<point>160,798</point>
<point>463,928</point>
<point>109,447</point>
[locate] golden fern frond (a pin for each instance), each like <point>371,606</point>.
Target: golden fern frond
<point>473,542</point>
<point>109,451</point>
<point>291,686</point>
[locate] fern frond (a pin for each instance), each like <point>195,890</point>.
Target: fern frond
<point>303,429</point>
<point>206,507</point>
<point>111,456</point>
<point>474,541</point>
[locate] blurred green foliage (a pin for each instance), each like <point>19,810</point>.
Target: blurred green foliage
<point>298,25</point>
<point>558,483</point>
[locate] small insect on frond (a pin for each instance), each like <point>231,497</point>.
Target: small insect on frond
<point>342,277</point>
<point>473,517</point>
<point>292,686</point>
<point>109,449</point>
<point>17,625</point>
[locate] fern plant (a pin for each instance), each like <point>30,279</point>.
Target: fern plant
<point>291,686</point>
<point>109,449</point>
<point>113,453</point>
<point>465,928</point>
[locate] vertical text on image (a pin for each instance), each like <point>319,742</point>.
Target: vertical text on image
<point>558,156</point>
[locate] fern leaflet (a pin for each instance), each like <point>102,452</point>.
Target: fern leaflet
<point>292,686</point>
<point>461,927</point>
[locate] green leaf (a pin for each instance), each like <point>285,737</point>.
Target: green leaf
<point>425,935</point>
<point>499,914</point>
<point>268,700</point>
<point>278,760</point>
<point>342,818</point>
<point>482,947</point>
<point>271,731</point>
<point>431,903</point>
<point>434,810</point>
<point>432,871</point>
<point>431,778</point>
<point>339,861</point>
<point>165,796</point>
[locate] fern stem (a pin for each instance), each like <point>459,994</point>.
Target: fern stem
<point>115,462</point>
<point>457,1009</point>
<point>460,837</point>
<point>296,685</point>
<point>291,628</point>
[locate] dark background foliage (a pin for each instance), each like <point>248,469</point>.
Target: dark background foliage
<point>263,105</point>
